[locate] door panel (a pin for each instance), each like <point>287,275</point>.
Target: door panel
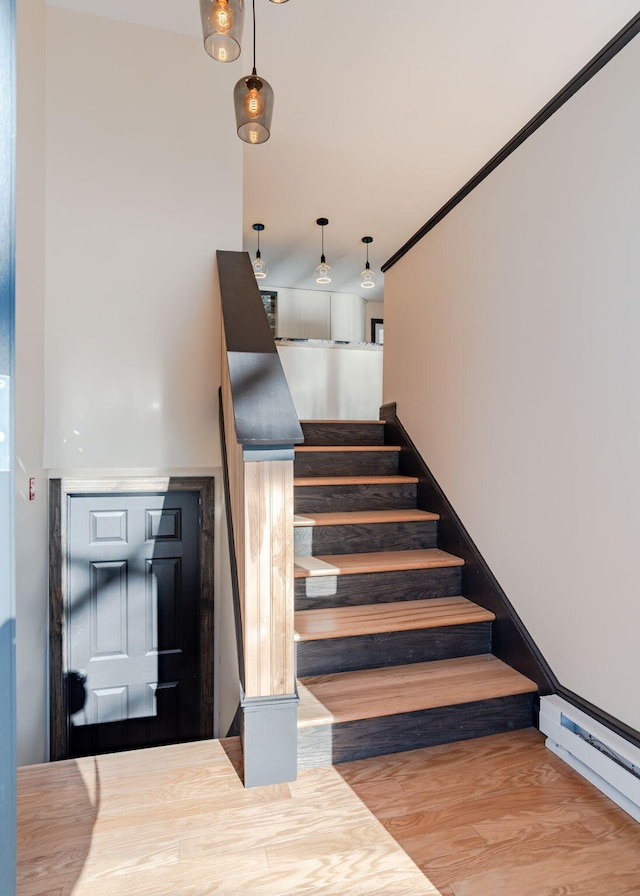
<point>133,620</point>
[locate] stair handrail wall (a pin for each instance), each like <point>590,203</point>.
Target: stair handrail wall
<point>260,428</point>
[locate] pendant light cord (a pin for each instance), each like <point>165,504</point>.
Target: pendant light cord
<point>254,37</point>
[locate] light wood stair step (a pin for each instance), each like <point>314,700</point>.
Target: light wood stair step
<point>333,449</point>
<point>383,561</point>
<point>364,517</point>
<point>400,616</point>
<point>371,693</point>
<point>354,480</point>
<point>344,422</point>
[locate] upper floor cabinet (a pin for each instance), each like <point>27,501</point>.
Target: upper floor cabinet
<point>303,313</point>
<point>347,317</point>
<point>311,314</point>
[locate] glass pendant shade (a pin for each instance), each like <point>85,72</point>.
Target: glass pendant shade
<point>367,278</point>
<point>222,24</point>
<point>253,102</point>
<point>323,272</point>
<point>260,268</point>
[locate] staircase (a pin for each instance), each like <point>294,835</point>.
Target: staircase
<point>390,655</point>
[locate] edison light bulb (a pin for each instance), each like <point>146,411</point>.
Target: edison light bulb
<point>222,17</point>
<point>254,103</point>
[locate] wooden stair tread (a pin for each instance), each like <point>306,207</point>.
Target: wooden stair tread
<point>398,616</point>
<point>371,693</point>
<point>360,422</point>
<point>382,561</point>
<point>319,449</point>
<point>364,517</point>
<point>355,480</point>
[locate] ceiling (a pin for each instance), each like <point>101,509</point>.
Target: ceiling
<point>383,110</point>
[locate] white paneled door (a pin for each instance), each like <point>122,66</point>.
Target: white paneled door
<point>132,621</point>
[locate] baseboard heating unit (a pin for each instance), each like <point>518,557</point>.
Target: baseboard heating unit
<point>610,762</point>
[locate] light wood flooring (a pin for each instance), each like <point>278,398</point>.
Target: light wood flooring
<point>499,816</point>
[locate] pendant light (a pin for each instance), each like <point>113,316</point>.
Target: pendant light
<point>222,24</point>
<point>323,272</point>
<point>253,101</point>
<point>367,277</point>
<point>260,269</point>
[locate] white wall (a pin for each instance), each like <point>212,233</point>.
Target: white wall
<point>143,184</point>
<point>511,349</point>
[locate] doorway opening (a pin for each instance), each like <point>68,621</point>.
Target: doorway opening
<point>131,613</point>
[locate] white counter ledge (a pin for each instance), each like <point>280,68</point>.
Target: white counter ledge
<point>332,380</point>
<point>327,343</point>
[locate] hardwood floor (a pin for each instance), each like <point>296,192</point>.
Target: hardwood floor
<point>493,817</point>
<point>501,815</point>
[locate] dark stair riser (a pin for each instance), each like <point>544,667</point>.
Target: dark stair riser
<point>342,498</point>
<point>347,741</point>
<point>365,537</point>
<point>317,433</point>
<point>346,463</point>
<point>329,655</point>
<point>316,592</point>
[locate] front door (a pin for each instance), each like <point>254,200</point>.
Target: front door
<point>132,621</point>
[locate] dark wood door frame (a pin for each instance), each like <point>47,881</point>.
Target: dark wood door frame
<point>60,491</point>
